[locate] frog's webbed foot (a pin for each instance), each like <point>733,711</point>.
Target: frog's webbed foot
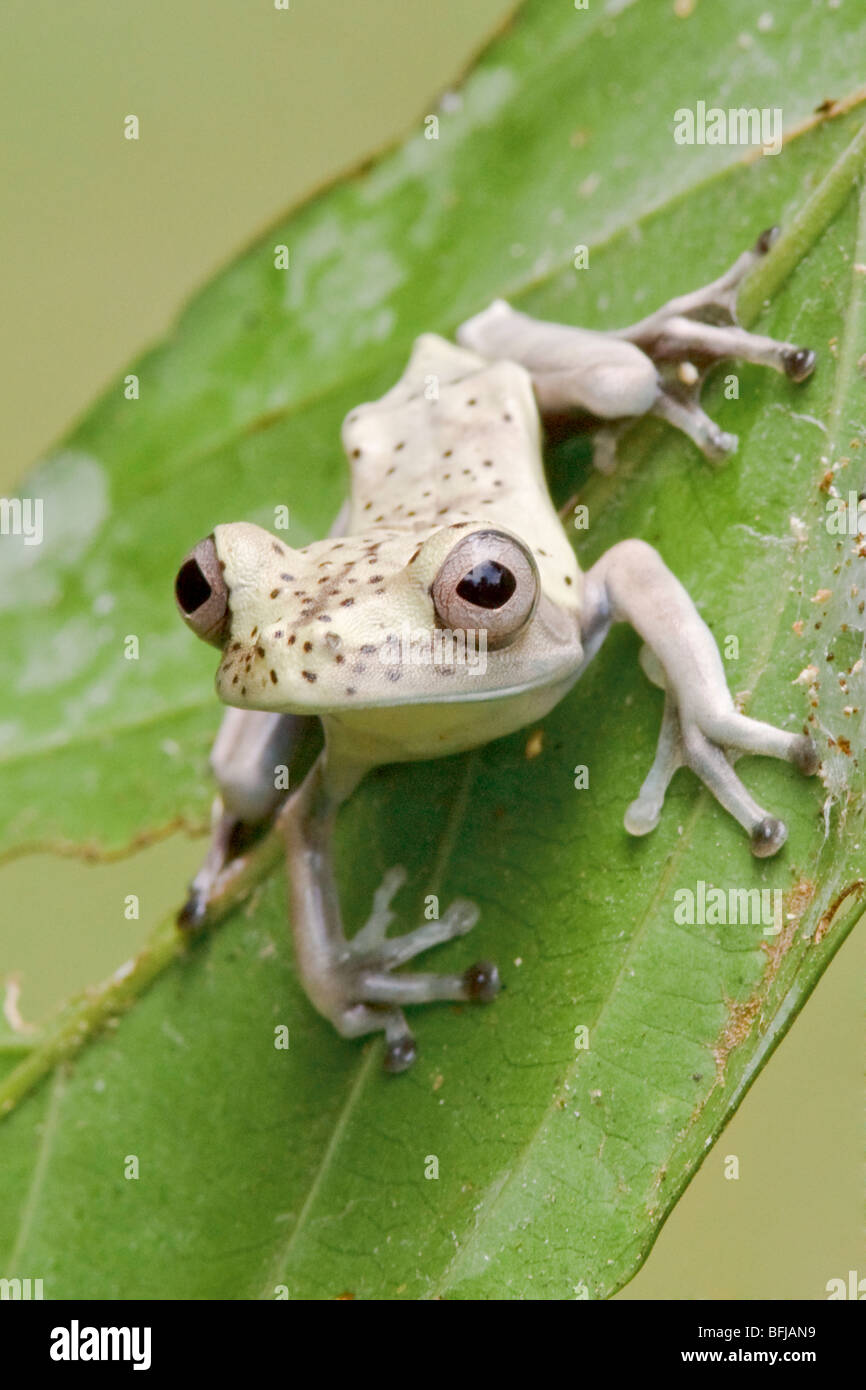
<point>352,982</point>
<point>370,956</point>
<point>371,942</point>
<point>709,747</point>
<point>701,728</point>
<point>688,335</point>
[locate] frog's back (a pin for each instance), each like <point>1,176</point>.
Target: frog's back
<point>457,438</point>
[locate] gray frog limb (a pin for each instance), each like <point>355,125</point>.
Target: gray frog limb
<point>700,725</point>
<point>351,982</point>
<point>656,366</point>
<point>249,746</point>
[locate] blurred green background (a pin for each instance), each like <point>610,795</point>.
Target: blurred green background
<point>244,110</point>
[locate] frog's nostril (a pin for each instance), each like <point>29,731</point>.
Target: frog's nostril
<point>191,587</point>
<point>201,594</point>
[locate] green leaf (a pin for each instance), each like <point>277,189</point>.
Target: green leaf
<point>305,1168</point>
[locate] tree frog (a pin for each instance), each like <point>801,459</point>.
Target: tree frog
<point>450,532</point>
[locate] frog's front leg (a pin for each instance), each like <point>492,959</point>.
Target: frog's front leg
<point>350,982</point>
<point>701,728</point>
<point>656,366</point>
<point>248,749</point>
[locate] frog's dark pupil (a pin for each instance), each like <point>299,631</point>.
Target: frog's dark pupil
<point>488,585</point>
<point>191,587</point>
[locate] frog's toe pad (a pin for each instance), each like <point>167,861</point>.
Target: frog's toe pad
<point>482,981</point>
<point>768,837</point>
<point>400,1054</point>
<point>799,363</point>
<point>642,816</point>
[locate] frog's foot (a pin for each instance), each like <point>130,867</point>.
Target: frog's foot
<point>709,742</point>
<point>250,747</point>
<point>701,727</point>
<point>238,855</point>
<point>688,335</point>
<point>220,866</point>
<point>371,997</point>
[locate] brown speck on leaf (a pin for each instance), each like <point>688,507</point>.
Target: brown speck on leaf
<point>832,912</point>
<point>743,1014</point>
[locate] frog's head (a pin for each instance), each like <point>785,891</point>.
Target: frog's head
<point>361,621</point>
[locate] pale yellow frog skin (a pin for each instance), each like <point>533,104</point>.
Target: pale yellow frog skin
<point>447,609</point>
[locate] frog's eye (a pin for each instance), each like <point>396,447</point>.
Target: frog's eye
<point>201,594</point>
<point>489,581</point>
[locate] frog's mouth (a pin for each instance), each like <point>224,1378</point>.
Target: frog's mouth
<point>202,594</point>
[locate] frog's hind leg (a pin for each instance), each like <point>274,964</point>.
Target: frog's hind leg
<point>701,728</point>
<point>688,335</point>
<point>350,982</point>
<point>656,366</point>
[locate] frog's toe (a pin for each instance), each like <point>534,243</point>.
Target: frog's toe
<point>682,410</point>
<point>194,911</point>
<point>370,944</point>
<point>768,837</point>
<point>400,1053</point>
<point>379,986</point>
<point>798,363</point>
<point>482,981</point>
